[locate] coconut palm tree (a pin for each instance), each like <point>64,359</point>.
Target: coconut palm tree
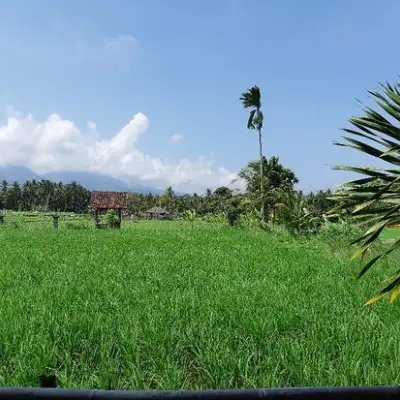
<point>251,99</point>
<point>374,198</point>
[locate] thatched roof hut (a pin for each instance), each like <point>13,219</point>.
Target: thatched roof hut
<point>102,201</point>
<point>109,200</point>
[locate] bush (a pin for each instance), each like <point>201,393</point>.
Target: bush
<point>190,216</point>
<point>249,220</point>
<point>294,215</point>
<point>342,232</point>
<point>232,216</point>
<point>301,223</point>
<point>112,219</point>
<point>219,218</point>
<point>339,236</point>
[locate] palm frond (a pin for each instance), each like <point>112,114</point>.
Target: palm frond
<point>251,98</point>
<point>250,122</point>
<point>374,198</point>
<point>258,120</point>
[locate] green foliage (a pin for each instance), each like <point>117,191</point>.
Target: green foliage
<point>339,234</point>
<point>319,203</point>
<point>277,180</point>
<point>276,176</point>
<point>233,212</point>
<point>293,214</point>
<point>232,216</point>
<point>249,219</point>
<point>44,196</point>
<point>374,198</point>
<point>252,99</point>
<point>219,218</point>
<point>111,218</point>
<point>190,216</point>
<point>223,192</point>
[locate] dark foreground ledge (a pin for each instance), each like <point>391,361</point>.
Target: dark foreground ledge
<point>343,393</point>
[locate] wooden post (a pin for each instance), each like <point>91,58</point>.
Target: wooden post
<point>1,219</point>
<point>55,222</point>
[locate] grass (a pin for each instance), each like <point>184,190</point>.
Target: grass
<point>161,305</point>
<point>391,233</point>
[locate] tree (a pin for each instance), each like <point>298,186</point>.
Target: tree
<point>276,179</point>
<point>320,202</point>
<point>168,197</point>
<point>374,198</point>
<point>223,192</point>
<point>252,99</point>
<point>4,185</point>
<point>13,200</point>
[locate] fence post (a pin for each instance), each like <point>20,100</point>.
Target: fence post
<point>55,222</point>
<point>1,219</point>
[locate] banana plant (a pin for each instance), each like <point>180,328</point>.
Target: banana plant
<point>190,216</point>
<point>374,198</point>
<point>292,212</point>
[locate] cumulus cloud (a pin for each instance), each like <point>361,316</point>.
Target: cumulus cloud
<point>58,144</point>
<point>176,138</point>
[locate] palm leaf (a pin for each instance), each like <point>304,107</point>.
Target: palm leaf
<point>250,122</point>
<point>251,98</point>
<point>374,198</point>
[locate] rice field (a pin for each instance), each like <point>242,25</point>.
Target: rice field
<point>391,233</point>
<point>162,305</point>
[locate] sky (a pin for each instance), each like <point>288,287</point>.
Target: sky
<point>149,89</point>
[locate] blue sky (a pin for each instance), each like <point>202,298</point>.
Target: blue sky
<point>183,65</point>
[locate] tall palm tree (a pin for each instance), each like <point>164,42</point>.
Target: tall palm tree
<point>252,99</point>
<point>374,198</point>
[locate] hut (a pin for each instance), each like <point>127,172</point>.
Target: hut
<point>157,213</point>
<point>100,202</point>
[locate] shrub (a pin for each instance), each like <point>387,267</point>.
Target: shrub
<point>232,216</point>
<point>112,219</point>
<point>342,232</point>
<point>190,216</point>
<point>219,218</point>
<point>249,220</point>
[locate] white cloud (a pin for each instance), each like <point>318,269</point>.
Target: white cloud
<point>58,144</point>
<point>176,138</point>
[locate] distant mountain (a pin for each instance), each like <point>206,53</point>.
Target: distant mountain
<point>97,181</point>
<point>17,173</point>
<point>90,180</point>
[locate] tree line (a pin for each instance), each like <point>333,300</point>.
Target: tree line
<point>278,186</point>
<point>44,195</point>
